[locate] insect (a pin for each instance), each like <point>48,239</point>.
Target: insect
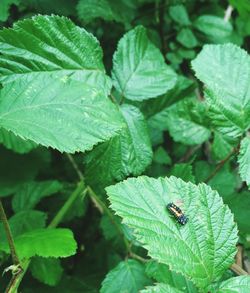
<point>177,213</point>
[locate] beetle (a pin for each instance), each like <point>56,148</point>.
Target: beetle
<point>177,213</point>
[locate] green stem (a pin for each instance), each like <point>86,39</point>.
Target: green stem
<point>16,279</point>
<point>67,205</point>
<point>111,217</point>
<point>9,235</point>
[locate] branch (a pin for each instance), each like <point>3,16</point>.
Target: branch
<point>238,270</point>
<point>9,236</point>
<point>222,163</point>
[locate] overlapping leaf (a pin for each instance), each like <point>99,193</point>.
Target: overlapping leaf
<point>15,143</point>
<point>244,160</point>
<point>139,71</point>
<point>239,284</point>
<point>44,242</point>
<point>51,45</point>
<point>63,114</point>
<point>202,249</point>
<point>130,152</point>
<point>128,276</point>
<point>225,71</point>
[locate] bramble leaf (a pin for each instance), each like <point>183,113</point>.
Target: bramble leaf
<point>139,71</point>
<point>51,46</point>
<point>15,143</point>
<point>46,270</point>
<point>225,70</point>
<point>63,114</point>
<point>244,160</point>
<point>128,276</point>
<point>45,242</point>
<point>202,249</point>
<point>239,284</point>
<point>130,152</point>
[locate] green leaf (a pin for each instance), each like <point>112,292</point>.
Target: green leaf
<point>23,222</point>
<point>185,121</point>
<point>161,288</point>
<point>139,71</point>
<point>225,71</point>
<point>179,14</point>
<point>29,194</point>
<point>155,108</point>
<point>51,46</point>
<point>4,8</point>
<point>121,11</point>
<point>161,156</point>
<point>125,154</point>
<point>63,114</point>
<point>239,284</point>
<point>45,242</point>
<point>128,276</point>
<point>222,146</point>
<point>239,203</point>
<point>202,249</point>
<point>15,143</point>
<point>214,27</point>
<point>244,160</point>
<point>187,38</point>
<point>162,273</point>
<point>46,270</point>
<point>183,171</point>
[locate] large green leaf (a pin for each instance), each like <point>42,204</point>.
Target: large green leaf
<point>161,273</point>
<point>46,270</point>
<point>63,114</point>
<point>225,70</point>
<point>139,71</point>
<point>244,160</point>
<point>44,242</point>
<point>15,143</point>
<point>51,45</point>
<point>29,194</point>
<point>239,284</point>
<point>125,154</point>
<point>202,249</point>
<point>128,276</point>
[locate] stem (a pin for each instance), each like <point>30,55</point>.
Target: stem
<point>67,205</point>
<point>161,11</point>
<point>138,257</point>
<point>228,13</point>
<point>9,235</point>
<point>75,166</point>
<point>16,279</point>
<point>222,163</point>
<point>111,217</point>
<point>238,270</point>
